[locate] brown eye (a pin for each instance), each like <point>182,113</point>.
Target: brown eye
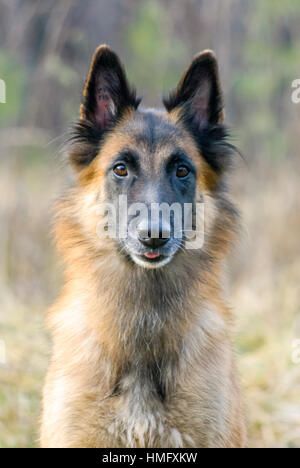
<point>121,170</point>
<point>182,171</point>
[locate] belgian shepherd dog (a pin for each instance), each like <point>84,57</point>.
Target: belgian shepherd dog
<point>142,353</point>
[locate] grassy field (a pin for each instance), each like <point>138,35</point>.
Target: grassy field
<point>265,295</point>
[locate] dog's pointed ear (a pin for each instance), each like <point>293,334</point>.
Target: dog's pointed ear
<point>107,92</point>
<point>199,93</point>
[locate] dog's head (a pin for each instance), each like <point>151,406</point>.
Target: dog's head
<point>153,165</point>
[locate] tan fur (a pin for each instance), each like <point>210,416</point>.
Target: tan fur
<point>87,356</point>
<point>94,337</point>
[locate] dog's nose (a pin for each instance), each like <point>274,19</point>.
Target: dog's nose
<point>156,238</point>
<point>153,242</point>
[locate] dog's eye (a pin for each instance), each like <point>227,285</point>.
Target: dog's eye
<point>182,171</point>
<point>121,170</point>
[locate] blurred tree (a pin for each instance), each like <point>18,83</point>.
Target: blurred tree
<point>46,47</point>
<point>155,54</point>
<point>261,88</point>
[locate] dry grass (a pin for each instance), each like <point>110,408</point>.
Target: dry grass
<point>28,283</point>
<point>265,296</point>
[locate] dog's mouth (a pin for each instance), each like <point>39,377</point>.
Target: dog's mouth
<point>151,259</point>
<point>152,255</point>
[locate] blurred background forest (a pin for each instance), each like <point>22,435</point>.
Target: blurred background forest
<point>45,49</point>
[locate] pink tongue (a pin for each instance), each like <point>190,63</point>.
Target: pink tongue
<point>152,255</point>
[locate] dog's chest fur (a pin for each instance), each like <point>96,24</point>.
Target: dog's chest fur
<point>151,407</point>
<point>142,420</point>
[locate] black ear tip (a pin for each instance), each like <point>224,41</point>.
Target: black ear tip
<point>208,52</point>
<point>206,59</point>
<point>206,55</point>
<point>102,49</point>
<point>105,55</point>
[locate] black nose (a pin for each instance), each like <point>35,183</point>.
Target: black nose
<point>153,243</point>
<point>160,237</point>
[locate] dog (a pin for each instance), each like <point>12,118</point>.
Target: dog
<point>142,353</point>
